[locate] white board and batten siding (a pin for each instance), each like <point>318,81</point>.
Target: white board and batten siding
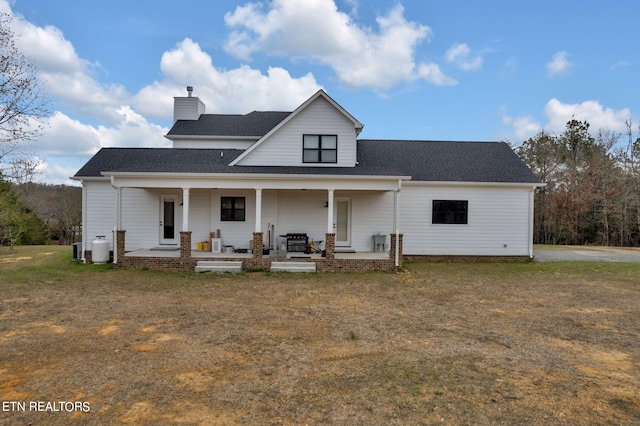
<point>498,221</point>
<point>284,146</point>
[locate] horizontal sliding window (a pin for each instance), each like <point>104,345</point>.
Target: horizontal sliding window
<point>320,149</point>
<point>450,212</point>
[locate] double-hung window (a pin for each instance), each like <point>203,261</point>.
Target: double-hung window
<point>320,149</point>
<point>232,209</point>
<point>450,212</point>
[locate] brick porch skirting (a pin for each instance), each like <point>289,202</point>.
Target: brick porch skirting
<point>264,263</point>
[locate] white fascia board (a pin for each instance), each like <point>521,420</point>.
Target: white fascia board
<point>211,137</point>
<point>476,184</point>
<point>252,180</point>
<point>89,178</point>
<point>290,117</point>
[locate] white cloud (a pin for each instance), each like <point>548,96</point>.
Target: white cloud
<point>239,90</point>
<point>69,143</point>
<point>433,74</point>
<point>81,140</point>
<point>316,30</point>
<point>460,55</point>
<point>557,115</point>
<point>559,64</point>
<point>521,128</point>
<point>619,64</point>
<point>119,118</point>
<point>56,174</point>
<point>599,117</point>
<point>67,78</point>
<point>132,130</point>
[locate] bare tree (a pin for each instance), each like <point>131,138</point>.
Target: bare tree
<point>24,107</point>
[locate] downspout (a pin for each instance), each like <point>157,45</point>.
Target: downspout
<point>84,222</point>
<point>118,219</point>
<point>115,245</point>
<point>531,194</point>
<point>396,200</point>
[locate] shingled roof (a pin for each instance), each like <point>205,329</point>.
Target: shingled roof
<point>435,161</point>
<point>254,124</point>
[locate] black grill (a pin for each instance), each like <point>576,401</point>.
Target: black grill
<point>296,242</point>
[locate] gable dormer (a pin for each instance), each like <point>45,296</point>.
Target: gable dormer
<point>319,133</point>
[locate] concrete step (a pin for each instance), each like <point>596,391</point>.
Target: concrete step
<point>218,266</point>
<point>293,266</point>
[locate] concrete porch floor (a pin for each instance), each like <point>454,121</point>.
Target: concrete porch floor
<point>210,255</point>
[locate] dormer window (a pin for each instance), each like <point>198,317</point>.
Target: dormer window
<point>320,149</point>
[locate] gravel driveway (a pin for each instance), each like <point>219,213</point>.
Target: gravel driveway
<point>601,254</point>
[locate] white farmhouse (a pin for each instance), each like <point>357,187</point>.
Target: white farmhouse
<point>269,187</point>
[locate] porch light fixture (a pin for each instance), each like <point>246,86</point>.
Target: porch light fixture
<point>326,204</point>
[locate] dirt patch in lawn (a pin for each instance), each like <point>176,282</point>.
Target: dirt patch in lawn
<point>473,343</point>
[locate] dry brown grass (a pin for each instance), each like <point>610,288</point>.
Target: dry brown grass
<point>439,343</point>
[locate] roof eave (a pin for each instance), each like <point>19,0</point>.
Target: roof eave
<point>476,184</point>
<point>212,137</point>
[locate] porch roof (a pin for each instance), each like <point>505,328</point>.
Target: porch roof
<point>207,161</point>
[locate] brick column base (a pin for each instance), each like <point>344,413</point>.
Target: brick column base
<point>392,248</point>
<point>256,248</point>
<point>120,243</point>
<point>185,249</point>
<point>330,246</point>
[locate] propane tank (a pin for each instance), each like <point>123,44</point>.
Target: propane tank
<point>100,250</point>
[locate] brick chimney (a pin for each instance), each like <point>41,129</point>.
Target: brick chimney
<point>187,108</point>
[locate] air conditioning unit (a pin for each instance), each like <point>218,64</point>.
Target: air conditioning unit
<point>77,251</point>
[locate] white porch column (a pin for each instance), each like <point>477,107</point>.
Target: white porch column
<point>258,210</point>
<point>396,222</point>
<point>185,209</point>
<point>118,208</point>
<point>330,212</point>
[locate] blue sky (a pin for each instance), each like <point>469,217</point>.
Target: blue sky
<point>434,70</point>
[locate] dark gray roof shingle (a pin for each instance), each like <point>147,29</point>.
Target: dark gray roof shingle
<point>422,160</point>
<point>448,161</point>
<point>256,123</point>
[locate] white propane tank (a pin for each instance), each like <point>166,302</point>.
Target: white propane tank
<point>100,250</point>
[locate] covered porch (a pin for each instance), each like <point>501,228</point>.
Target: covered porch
<point>183,259</point>
<point>339,215</point>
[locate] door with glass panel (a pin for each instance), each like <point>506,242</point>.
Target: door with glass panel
<point>342,221</point>
<point>168,229</point>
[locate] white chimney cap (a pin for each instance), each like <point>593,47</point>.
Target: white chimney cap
<point>189,90</point>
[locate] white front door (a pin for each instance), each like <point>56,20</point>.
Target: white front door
<point>342,221</point>
<point>168,220</point>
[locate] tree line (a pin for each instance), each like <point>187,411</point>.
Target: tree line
<point>592,194</point>
<point>33,213</point>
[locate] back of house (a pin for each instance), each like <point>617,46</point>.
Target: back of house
<point>262,181</point>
